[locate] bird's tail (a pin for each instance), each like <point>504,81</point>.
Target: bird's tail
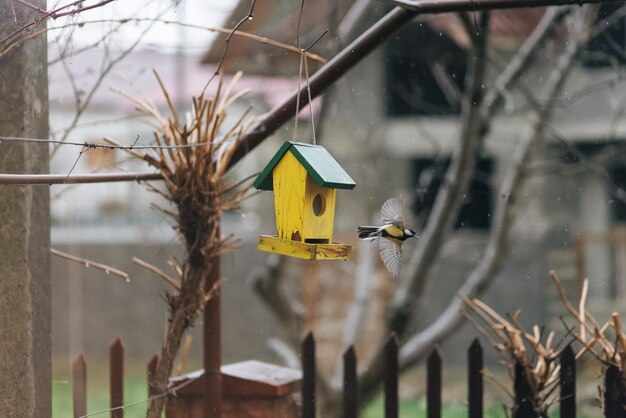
<point>369,232</point>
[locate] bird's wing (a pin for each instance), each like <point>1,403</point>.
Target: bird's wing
<point>391,254</point>
<point>394,212</point>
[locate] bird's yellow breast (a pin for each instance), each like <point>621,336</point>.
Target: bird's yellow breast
<point>393,233</point>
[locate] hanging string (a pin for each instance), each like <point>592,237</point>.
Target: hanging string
<point>295,122</point>
<point>303,58</point>
<point>308,89</point>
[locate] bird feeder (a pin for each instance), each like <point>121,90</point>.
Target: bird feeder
<point>305,179</point>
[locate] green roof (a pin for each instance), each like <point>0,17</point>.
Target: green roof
<point>315,159</point>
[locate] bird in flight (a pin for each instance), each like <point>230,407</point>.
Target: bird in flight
<point>392,234</point>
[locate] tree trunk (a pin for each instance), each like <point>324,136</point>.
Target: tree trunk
<point>25,350</point>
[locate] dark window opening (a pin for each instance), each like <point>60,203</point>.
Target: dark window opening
<point>607,157</point>
<point>618,203</point>
<point>428,175</point>
<point>424,72</point>
<point>575,151</point>
<point>609,46</point>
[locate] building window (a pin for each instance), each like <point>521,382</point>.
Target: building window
<point>428,175</point>
<point>424,72</point>
<point>609,46</point>
<point>618,201</point>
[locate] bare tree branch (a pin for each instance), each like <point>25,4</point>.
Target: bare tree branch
<point>82,106</point>
<point>90,263</point>
<point>284,352</point>
<point>14,39</point>
<point>449,198</point>
<point>266,280</point>
<point>169,279</point>
<point>445,6</point>
<point>523,59</point>
<point>511,189</point>
<point>416,347</point>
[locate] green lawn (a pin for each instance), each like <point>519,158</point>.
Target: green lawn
<point>417,409</point>
<point>135,390</point>
<point>135,395</point>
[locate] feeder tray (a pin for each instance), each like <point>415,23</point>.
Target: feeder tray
<point>304,250</point>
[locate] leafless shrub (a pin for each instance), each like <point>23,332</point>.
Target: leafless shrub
<point>192,156</point>
<point>533,351</point>
<point>538,356</point>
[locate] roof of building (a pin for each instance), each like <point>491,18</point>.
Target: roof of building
<point>278,21</point>
<point>319,164</point>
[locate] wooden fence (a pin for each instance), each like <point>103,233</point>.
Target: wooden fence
<point>614,401</point>
<point>116,381</point>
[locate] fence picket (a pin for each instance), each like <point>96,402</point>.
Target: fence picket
<point>614,392</point>
<point>79,385</point>
<point>350,388</point>
<point>391,377</point>
<point>308,376</point>
<point>523,394</point>
<point>116,378</point>
<point>568,383</point>
<point>433,385</point>
<point>475,383</point>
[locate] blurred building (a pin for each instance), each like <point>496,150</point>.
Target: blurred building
<point>393,122</point>
<point>114,222</point>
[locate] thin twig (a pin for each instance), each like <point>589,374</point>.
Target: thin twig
<point>90,263</point>
<point>101,76</point>
<point>251,36</point>
<point>581,308</point>
<point>112,144</point>
<point>53,14</point>
<point>184,355</point>
<point>220,62</point>
<point>158,272</point>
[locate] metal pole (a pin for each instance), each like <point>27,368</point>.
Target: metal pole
<point>212,355</point>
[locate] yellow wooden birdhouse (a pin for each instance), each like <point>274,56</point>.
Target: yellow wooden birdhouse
<point>305,179</point>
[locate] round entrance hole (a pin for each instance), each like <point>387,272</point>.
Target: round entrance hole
<point>319,205</point>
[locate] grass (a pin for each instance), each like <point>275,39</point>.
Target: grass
<point>135,395</point>
<point>135,390</point>
<point>417,409</point>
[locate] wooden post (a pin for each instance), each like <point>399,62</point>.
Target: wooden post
<point>25,288</point>
<point>350,388</point>
<point>116,378</point>
<point>308,376</point>
<point>391,377</point>
<point>433,385</point>
<point>79,385</point>
<point>568,383</point>
<point>212,358</point>
<point>475,379</point>
<point>151,365</point>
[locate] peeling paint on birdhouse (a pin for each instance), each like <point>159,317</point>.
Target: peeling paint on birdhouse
<point>305,179</point>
